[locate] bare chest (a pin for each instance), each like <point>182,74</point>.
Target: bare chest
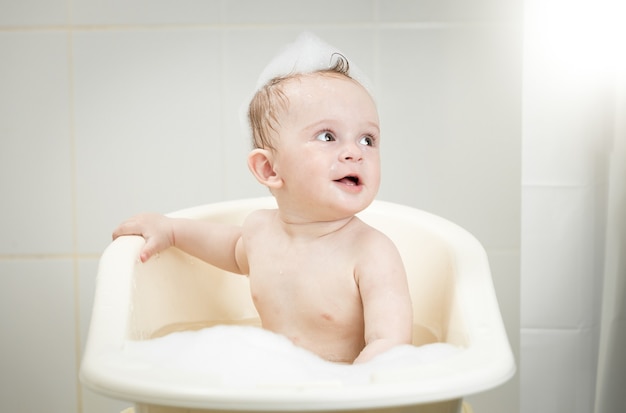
<point>312,287</point>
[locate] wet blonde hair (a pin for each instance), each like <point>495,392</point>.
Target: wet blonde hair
<point>270,101</point>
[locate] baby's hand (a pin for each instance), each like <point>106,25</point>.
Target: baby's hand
<point>156,229</point>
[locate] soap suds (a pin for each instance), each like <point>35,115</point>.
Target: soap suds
<point>252,357</point>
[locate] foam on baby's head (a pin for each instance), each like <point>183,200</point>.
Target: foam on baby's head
<point>308,54</point>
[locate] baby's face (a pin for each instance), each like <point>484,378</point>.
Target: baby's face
<point>328,146</point>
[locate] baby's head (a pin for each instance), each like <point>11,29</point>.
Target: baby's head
<point>270,102</point>
<point>307,56</point>
<point>316,136</point>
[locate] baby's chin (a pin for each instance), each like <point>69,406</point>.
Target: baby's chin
<point>337,208</point>
<point>352,205</point>
<point>341,211</point>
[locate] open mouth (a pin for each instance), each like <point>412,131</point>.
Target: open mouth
<point>350,180</point>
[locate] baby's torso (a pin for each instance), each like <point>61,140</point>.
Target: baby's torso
<point>307,291</point>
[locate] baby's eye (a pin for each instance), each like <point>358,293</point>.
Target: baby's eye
<point>367,141</point>
<point>325,137</point>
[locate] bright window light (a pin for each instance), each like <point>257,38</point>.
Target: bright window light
<point>581,39</point>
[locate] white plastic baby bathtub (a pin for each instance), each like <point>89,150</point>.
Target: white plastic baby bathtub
<point>451,289</point>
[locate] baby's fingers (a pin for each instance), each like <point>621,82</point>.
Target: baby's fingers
<point>151,248</point>
<point>129,227</point>
<point>156,229</point>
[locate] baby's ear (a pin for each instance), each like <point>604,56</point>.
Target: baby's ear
<point>260,162</point>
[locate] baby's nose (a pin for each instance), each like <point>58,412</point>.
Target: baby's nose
<point>351,152</point>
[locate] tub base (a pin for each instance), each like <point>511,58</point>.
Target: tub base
<point>449,406</point>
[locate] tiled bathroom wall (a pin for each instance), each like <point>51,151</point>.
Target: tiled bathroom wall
<point>111,108</point>
<point>569,126</point>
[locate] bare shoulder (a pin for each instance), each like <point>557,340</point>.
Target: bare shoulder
<point>258,219</point>
<point>372,239</point>
<point>378,257</point>
<point>251,229</point>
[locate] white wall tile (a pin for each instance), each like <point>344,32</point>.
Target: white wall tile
<point>566,134</point>
<point>35,163</point>
<point>38,359</point>
<point>148,126</point>
<point>298,12</point>
<point>450,112</point>
<point>33,13</point>
<point>552,357</point>
<point>559,246</point>
<point>145,12</point>
<point>567,116</point>
<point>448,10</point>
<point>557,371</point>
<point>246,52</point>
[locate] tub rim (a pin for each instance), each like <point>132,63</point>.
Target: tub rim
<point>486,362</point>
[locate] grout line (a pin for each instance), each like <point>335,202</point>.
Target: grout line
<point>30,257</point>
<point>376,46</point>
<point>223,36</point>
<point>557,185</point>
<point>72,132</point>
<point>557,329</point>
<point>248,26</point>
<point>75,255</point>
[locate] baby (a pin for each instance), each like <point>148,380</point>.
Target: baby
<point>318,274</point>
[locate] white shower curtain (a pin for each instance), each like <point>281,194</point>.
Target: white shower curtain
<point>611,377</point>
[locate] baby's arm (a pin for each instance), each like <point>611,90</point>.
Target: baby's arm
<point>215,243</point>
<point>388,313</point>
